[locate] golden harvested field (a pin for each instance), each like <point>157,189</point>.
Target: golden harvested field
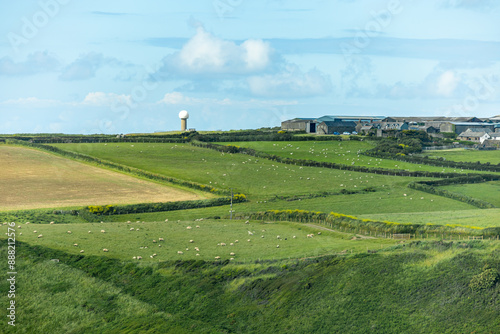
<point>32,179</point>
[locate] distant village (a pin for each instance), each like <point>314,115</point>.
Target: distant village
<point>483,131</point>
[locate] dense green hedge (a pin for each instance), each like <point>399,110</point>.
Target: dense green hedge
<point>94,212</point>
<point>353,224</point>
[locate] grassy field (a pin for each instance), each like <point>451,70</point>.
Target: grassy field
<point>345,152</point>
<point>493,157</point>
<point>489,191</point>
<point>257,178</point>
<point>476,218</point>
<point>126,240</point>
<point>34,179</point>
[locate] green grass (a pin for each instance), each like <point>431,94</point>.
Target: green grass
<point>345,152</point>
<point>408,288</point>
<point>472,218</point>
<point>124,244</point>
<point>257,178</point>
<point>463,155</point>
<point>489,191</point>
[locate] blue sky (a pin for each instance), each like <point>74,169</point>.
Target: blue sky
<point>130,66</point>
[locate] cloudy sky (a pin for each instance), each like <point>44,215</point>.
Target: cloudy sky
<point>131,66</point>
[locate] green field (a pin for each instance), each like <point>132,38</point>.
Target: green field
<point>493,157</point>
<point>258,282</point>
<point>126,240</point>
<point>345,152</point>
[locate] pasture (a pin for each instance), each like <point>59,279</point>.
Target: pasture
<point>209,239</point>
<point>493,157</point>
<point>256,178</point>
<point>35,179</point>
<point>344,152</point>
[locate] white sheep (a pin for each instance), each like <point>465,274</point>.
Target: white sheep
<point>139,258</point>
<point>277,246</point>
<point>51,223</point>
<point>217,257</point>
<point>105,250</point>
<point>160,239</point>
<point>76,245</point>
<point>197,249</point>
<point>236,241</point>
<point>197,254</point>
<point>294,237</point>
<point>40,235</point>
<point>222,244</point>
<point>90,231</point>
<point>191,241</point>
<point>132,229</point>
<point>154,241</point>
<point>231,244</point>
<point>69,232</point>
<point>232,254</point>
<point>102,231</point>
<point>180,252</point>
<point>82,251</point>
<point>189,227</point>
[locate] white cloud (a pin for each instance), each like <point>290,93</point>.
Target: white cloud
<point>100,99</point>
<point>32,102</point>
<point>290,83</point>
<point>447,83</point>
<point>36,62</point>
<point>206,54</point>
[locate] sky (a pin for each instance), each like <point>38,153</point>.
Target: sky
<point>86,67</point>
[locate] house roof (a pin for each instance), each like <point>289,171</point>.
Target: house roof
<point>339,123</point>
<point>472,133</point>
<point>350,118</point>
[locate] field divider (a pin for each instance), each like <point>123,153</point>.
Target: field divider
<point>380,229</point>
<point>323,164</point>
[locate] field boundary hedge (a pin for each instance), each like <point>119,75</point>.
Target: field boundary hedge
<point>94,213</point>
<point>332,165</point>
<point>121,168</point>
<point>351,224</point>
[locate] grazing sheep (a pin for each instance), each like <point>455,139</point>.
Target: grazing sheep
<point>160,239</point>
<point>197,254</point>
<point>310,235</point>
<point>69,232</point>
<point>187,249</point>
<point>262,236</point>
<point>82,251</point>
<point>139,258</point>
<point>180,252</point>
<point>247,222</point>
<point>222,244</point>
<point>236,241</point>
<point>197,226</point>
<point>132,229</point>
<point>102,231</point>
<point>231,259</point>
<point>277,246</point>
<point>159,245</point>
<point>231,244</point>
<point>76,245</point>
<point>278,237</point>
<point>137,229</point>
<point>34,231</point>
<point>294,237</point>
<point>250,233</point>
<point>90,231</point>
<point>27,222</point>
<point>166,220</point>
<point>248,240</point>
<point>51,223</point>
<point>154,241</point>
<point>189,227</point>
<point>232,254</point>
<point>40,235</point>
<point>191,241</point>
<point>105,250</point>
<point>134,257</point>
<point>319,233</point>
<point>217,257</point>
<point>197,249</point>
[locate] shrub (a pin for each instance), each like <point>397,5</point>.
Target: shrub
<point>484,280</point>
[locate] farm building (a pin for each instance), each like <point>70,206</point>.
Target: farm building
<point>329,127</point>
<point>299,124</point>
<point>475,135</point>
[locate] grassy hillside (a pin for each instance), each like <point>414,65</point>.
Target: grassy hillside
<point>411,288</point>
<point>466,155</point>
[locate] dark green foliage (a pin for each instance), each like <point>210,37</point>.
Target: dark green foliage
<point>485,280</point>
<point>392,291</point>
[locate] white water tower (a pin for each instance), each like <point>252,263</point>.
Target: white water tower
<point>184,115</point>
